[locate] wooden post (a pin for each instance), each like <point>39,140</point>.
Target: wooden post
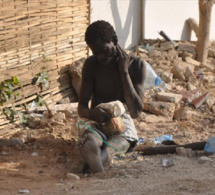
<point>205,9</point>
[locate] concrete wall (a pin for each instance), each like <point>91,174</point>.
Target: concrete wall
<point>124,15</point>
<point>170,16</point>
<point>167,15</point>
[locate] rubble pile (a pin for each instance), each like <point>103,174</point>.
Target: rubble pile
<point>189,91</point>
<point>188,95</point>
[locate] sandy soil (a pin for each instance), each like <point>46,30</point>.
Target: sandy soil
<point>41,165</point>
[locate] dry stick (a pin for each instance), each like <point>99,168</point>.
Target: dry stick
<point>172,149</point>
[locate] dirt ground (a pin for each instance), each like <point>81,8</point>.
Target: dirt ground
<point>41,165</point>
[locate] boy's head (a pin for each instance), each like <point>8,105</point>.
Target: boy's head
<point>102,40</point>
<point>100,29</point>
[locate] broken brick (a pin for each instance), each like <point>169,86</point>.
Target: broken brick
<point>166,45</point>
<point>200,100</point>
<point>169,97</point>
<point>167,77</point>
<point>160,108</point>
<point>189,96</point>
<point>192,61</point>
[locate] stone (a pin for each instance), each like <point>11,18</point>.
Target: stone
<point>155,53</point>
<point>210,101</point>
<point>191,86</point>
<point>166,45</point>
<point>168,87</point>
<point>72,176</point>
<point>181,151</point>
<point>190,76</point>
<point>24,191</point>
<point>187,47</point>
<point>179,88</point>
<point>190,153</point>
<point>34,122</point>
<point>160,108</point>
<point>178,72</point>
<point>167,77</point>
<point>187,152</point>
<point>192,61</point>
<point>189,96</point>
<point>169,97</point>
<point>75,71</point>
<point>188,73</point>
<point>167,162</point>
<point>211,52</point>
<point>200,100</point>
<point>187,134</point>
<point>179,69</point>
<point>173,53</point>
<point>204,159</point>
<point>184,113</point>
<point>212,43</point>
<point>185,54</point>
<point>59,116</point>
<point>35,154</point>
<point>209,66</point>
<point>64,101</point>
<point>140,158</point>
<point>163,67</point>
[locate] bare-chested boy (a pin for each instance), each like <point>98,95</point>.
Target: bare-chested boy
<point>108,75</point>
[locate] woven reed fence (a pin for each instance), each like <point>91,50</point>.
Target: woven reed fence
<point>41,35</point>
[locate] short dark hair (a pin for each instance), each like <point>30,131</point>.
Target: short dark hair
<point>100,29</point>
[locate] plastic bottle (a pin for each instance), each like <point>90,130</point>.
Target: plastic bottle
<point>152,79</point>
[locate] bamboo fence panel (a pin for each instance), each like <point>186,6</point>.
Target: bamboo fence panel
<point>41,35</point>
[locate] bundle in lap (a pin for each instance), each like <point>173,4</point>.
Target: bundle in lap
<point>116,125</point>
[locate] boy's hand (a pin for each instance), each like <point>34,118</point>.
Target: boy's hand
<point>123,59</point>
<point>100,115</point>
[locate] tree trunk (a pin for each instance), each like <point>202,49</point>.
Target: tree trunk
<point>205,9</point>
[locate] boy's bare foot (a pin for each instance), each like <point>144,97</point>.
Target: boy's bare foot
<point>91,153</point>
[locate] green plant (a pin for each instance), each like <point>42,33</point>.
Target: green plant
<point>40,79</point>
<point>10,113</point>
<point>40,102</point>
<point>7,89</point>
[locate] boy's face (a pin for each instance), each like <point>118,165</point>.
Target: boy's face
<point>104,52</point>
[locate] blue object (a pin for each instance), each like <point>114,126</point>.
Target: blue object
<point>210,145</point>
<point>159,140</point>
<point>152,79</point>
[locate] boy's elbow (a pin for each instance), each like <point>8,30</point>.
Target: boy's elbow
<point>135,114</point>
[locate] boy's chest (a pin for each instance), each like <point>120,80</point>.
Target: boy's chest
<point>107,81</point>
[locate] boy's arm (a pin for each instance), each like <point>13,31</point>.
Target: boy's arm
<point>133,91</point>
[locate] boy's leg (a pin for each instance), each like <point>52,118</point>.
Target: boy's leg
<point>90,152</point>
<point>117,145</point>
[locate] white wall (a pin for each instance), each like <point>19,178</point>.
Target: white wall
<point>167,15</point>
<point>124,15</point>
<point>170,16</point>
